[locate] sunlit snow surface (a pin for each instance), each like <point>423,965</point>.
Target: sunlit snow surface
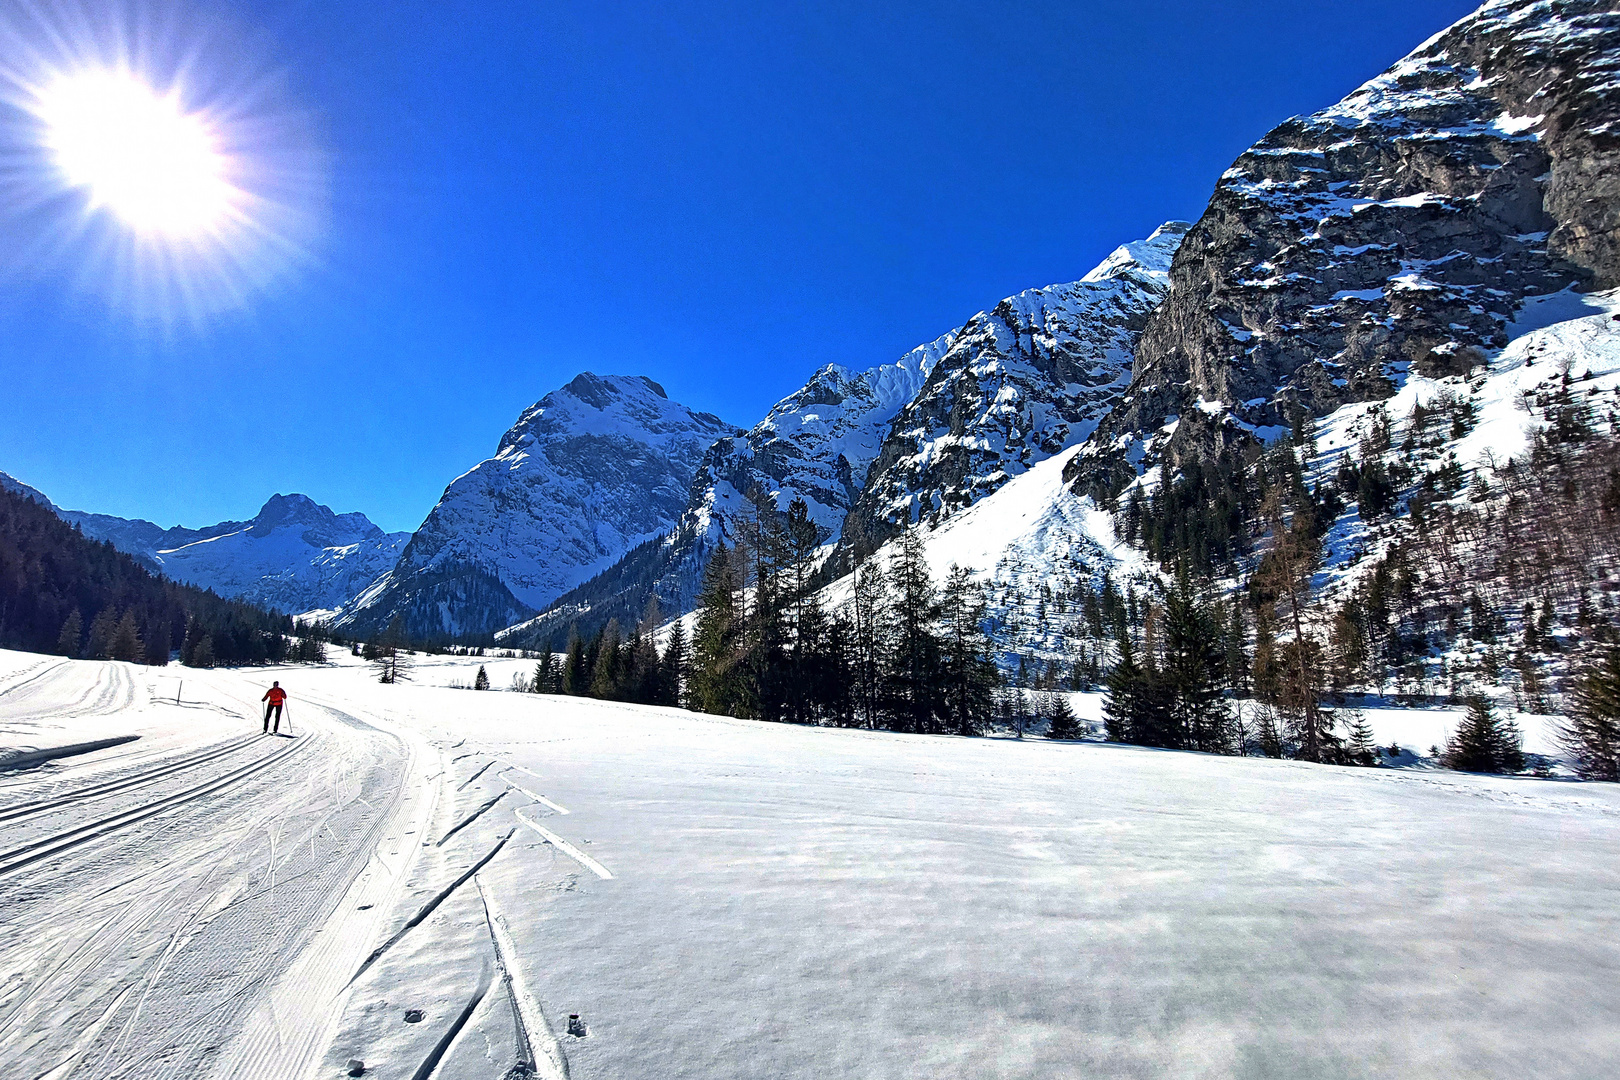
<point>786,901</point>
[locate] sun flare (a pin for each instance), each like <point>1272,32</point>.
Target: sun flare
<point>137,153</point>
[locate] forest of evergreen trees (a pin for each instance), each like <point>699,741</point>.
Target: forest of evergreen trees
<point>63,593</point>
<point>904,655</point>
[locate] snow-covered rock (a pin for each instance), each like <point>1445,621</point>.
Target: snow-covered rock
<point>586,474</point>
<point>1019,383</point>
<point>1397,231</point>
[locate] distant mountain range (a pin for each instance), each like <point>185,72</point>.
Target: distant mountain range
<point>295,556</point>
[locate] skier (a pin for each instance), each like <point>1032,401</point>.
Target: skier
<point>274,698</point>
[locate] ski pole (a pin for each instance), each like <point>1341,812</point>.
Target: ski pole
<point>286,708</point>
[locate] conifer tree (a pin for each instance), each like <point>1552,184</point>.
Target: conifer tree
<point>1483,742</point>
<point>605,674</point>
<point>576,672</point>
<point>673,667</point>
<point>715,683</point>
<point>102,628</point>
<point>1062,722</point>
<point>72,635</point>
<point>126,640</point>
<point>1361,750</point>
<point>1128,709</point>
<point>481,680</point>
<point>1194,663</point>
<point>916,656</point>
<point>1591,732</point>
<point>871,642</point>
<point>968,672</point>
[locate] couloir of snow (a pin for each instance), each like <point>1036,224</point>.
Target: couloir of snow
<point>725,898</point>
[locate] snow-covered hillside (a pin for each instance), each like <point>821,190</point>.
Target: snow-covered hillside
<point>586,473</point>
<point>295,556</point>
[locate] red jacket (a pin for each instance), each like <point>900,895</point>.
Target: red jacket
<point>275,695</point>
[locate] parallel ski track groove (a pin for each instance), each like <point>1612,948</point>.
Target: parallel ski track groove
<point>470,818</point>
<point>19,857</point>
<point>147,776</point>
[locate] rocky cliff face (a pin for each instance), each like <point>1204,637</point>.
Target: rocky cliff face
<point>587,473</point>
<point>1019,383</point>
<point>1397,231</point>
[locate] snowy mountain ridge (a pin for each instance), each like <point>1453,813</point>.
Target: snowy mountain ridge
<point>295,556</point>
<point>587,473</point>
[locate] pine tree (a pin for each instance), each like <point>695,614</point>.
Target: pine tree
<point>481,680</point>
<point>1591,732</point>
<point>1482,742</point>
<point>969,674</point>
<point>1128,707</point>
<point>576,672</point>
<point>1063,724</point>
<point>673,672</point>
<point>915,671</point>
<point>1361,749</point>
<point>716,681</point>
<point>68,642</point>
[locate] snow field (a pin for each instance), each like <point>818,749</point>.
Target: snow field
<point>811,902</point>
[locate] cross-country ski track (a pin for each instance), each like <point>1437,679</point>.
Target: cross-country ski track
<point>431,881</point>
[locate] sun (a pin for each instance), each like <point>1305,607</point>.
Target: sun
<point>137,153</point>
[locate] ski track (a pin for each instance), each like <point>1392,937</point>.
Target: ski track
<point>144,907</point>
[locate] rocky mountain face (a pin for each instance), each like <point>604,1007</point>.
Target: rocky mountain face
<point>1019,383</point>
<point>937,430</point>
<point>1396,232</point>
<point>294,556</point>
<point>586,474</point>
<point>818,444</point>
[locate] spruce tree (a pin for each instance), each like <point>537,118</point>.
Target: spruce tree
<point>1361,749</point>
<point>576,672</point>
<point>102,628</point>
<point>1483,742</point>
<point>1591,732</point>
<point>872,640</point>
<point>1129,702</point>
<point>481,680</point>
<point>673,672</point>
<point>605,674</point>
<point>715,684</point>
<point>126,640</point>
<point>969,674</point>
<point>1194,664</point>
<point>915,671</point>
<point>1062,722</point>
<point>72,635</point>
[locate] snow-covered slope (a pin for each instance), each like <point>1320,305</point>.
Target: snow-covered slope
<point>1019,383</point>
<point>587,473</point>
<point>294,556</point>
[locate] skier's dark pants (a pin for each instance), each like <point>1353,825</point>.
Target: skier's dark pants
<point>275,707</point>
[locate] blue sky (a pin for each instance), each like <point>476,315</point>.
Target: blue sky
<point>722,197</point>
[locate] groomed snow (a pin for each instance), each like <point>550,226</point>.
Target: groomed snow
<point>724,898</point>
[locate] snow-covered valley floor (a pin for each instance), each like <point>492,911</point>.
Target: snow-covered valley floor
<point>721,898</point>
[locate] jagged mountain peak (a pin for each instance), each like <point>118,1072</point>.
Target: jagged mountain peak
<point>1150,256</point>
<point>586,473</point>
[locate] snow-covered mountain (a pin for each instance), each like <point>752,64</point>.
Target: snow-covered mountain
<point>1395,232</point>
<point>1019,383</point>
<point>586,474</point>
<point>945,425</point>
<point>294,556</point>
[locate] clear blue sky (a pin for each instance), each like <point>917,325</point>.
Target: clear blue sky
<point>722,197</point>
